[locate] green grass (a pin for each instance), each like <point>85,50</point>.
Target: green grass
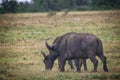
<point>21,36</point>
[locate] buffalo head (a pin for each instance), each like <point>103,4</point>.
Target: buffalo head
<point>48,59</point>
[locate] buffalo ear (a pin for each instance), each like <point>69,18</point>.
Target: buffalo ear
<point>54,47</point>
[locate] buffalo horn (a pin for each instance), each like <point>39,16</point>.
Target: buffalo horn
<point>50,47</point>
<point>43,53</point>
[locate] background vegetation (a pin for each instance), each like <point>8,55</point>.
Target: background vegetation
<point>21,35</point>
<point>12,6</point>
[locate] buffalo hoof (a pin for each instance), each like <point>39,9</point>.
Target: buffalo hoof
<point>105,69</point>
<point>85,70</point>
<point>78,71</point>
<point>62,70</point>
<point>72,68</point>
<point>94,70</point>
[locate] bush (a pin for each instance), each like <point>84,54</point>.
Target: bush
<point>66,11</point>
<point>51,13</point>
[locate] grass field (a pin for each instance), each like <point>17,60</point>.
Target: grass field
<point>21,35</point>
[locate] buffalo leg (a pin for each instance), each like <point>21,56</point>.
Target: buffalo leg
<point>95,63</point>
<point>103,59</point>
<point>70,63</point>
<point>80,62</point>
<point>77,65</point>
<point>85,65</point>
<point>62,61</point>
<point>59,63</point>
<point>83,61</point>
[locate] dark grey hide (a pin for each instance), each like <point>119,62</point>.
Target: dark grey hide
<point>70,62</point>
<point>75,46</point>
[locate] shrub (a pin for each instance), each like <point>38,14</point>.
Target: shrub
<point>66,11</point>
<point>51,13</point>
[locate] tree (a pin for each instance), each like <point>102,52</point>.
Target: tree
<point>106,4</point>
<point>9,6</point>
<point>41,5</point>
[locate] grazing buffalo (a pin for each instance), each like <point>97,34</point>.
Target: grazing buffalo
<point>75,46</point>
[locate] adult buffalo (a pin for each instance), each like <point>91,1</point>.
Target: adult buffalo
<point>75,46</point>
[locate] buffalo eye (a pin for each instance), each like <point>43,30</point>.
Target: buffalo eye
<point>43,60</point>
